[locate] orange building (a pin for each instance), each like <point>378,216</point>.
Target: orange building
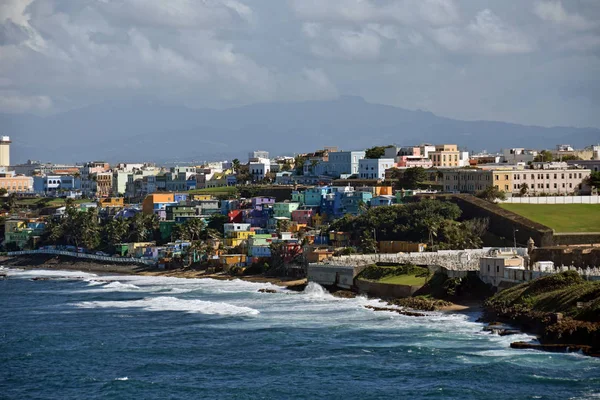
<point>17,184</point>
<point>383,191</point>
<point>154,201</point>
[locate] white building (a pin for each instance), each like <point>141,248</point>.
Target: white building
<point>259,168</point>
<point>340,163</point>
<point>374,168</point>
<point>518,155</point>
<point>258,154</point>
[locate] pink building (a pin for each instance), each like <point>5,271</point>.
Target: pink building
<point>414,161</point>
<point>302,216</point>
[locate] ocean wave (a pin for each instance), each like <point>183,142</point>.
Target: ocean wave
<point>52,274</point>
<point>173,304</point>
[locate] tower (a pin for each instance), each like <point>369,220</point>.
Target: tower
<point>5,151</point>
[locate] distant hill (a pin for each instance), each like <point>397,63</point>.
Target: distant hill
<point>145,131</point>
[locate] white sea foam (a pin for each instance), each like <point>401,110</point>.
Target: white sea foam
<point>173,304</point>
<point>43,273</point>
<point>122,379</point>
<point>315,291</point>
<point>118,286</point>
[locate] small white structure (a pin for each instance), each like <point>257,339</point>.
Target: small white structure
<point>492,268</point>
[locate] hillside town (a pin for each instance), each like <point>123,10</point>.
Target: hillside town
<point>277,213</point>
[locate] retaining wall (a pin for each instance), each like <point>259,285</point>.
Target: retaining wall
<point>385,290</point>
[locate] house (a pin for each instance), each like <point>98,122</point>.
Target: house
<point>22,233</point>
<point>313,196</point>
<point>111,202</point>
<point>259,168</point>
<point>55,184</point>
<point>374,168</point>
<point>384,200</point>
<point>339,164</point>
<point>303,216</point>
<point>492,268</point>
<point>339,239</point>
<point>284,209</point>
<point>227,261</point>
<point>157,201</point>
<point>317,255</point>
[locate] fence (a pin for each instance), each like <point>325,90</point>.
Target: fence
<point>120,260</point>
<point>553,200</point>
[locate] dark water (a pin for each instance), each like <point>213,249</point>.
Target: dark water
<point>163,338</point>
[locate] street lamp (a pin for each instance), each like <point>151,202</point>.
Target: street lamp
<point>515,238</point>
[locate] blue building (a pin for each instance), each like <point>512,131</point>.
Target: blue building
<point>313,196</point>
<point>55,184</point>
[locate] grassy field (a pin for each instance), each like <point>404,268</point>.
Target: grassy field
<point>226,190</point>
<point>411,280</point>
<point>561,217</point>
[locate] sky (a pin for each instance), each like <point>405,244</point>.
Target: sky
<point>526,61</point>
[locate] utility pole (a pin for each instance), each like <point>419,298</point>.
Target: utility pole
<point>515,238</point>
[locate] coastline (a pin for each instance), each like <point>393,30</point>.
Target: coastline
<point>71,264</point>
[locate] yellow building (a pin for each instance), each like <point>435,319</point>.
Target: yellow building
<point>235,239</point>
<point>111,202</point>
<point>503,180</point>
<point>445,155</point>
<point>200,197</point>
<point>232,260</point>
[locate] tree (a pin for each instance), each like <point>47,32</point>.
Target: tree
<point>367,244</point>
<point>286,167</point>
<point>3,192</point>
<point>236,164</point>
<point>491,194</point>
<point>413,177</point>
<point>143,227</point>
<point>375,152</point>
<point>217,222</point>
<point>594,180</point>
<point>192,229</point>
<point>544,156</point>
<point>283,225</point>
<point>524,189</point>
<point>299,163</point>
<point>115,231</point>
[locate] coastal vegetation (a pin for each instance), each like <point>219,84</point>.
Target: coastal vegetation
<point>426,221</point>
<point>560,217</point>
<point>561,308</point>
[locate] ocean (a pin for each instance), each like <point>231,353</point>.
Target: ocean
<point>85,336</point>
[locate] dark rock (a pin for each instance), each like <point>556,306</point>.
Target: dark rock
<point>558,348</point>
<point>40,279</point>
<point>396,310</point>
<point>267,291</point>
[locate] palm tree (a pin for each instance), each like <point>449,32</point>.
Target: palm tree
<point>236,164</point>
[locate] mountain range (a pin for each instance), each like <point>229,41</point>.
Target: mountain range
<point>137,131</point>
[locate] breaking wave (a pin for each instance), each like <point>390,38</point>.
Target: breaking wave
<point>174,304</point>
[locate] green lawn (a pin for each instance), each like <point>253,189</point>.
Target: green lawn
<point>216,191</point>
<point>411,280</point>
<point>561,217</point>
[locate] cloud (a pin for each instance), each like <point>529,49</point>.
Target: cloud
<point>432,54</point>
<point>12,102</point>
<point>435,12</point>
<point>554,11</point>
